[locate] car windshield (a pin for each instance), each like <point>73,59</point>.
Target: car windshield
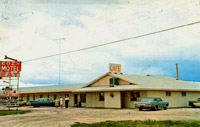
<point>40,99</point>
<point>147,100</point>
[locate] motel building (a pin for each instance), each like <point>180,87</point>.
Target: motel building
<point>118,90</point>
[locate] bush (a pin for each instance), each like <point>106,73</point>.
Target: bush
<point>11,112</point>
<point>137,123</point>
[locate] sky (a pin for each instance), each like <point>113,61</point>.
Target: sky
<point>30,29</point>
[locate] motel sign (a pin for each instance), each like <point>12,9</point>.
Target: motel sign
<point>9,74</point>
<point>10,66</point>
<point>10,69</point>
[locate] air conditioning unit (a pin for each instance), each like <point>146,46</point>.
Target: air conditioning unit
<point>114,81</point>
<point>112,85</point>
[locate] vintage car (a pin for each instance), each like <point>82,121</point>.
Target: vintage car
<point>194,103</point>
<point>22,103</point>
<point>41,102</point>
<point>152,103</point>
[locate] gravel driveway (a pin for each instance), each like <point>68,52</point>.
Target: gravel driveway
<point>61,117</point>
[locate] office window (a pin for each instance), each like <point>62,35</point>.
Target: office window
<point>41,96</point>
<point>27,98</point>
<point>114,81</point>
<point>101,96</point>
<point>168,93</point>
<point>183,93</point>
<point>135,95</point>
<point>83,98</point>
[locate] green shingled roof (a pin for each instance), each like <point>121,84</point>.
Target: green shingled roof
<point>142,82</point>
<point>51,88</point>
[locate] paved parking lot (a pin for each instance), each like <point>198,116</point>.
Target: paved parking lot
<point>61,117</point>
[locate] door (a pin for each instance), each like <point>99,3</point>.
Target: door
<point>34,97</point>
<point>123,99</point>
<point>75,99</point>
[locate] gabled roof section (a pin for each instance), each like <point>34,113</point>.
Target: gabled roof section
<point>148,82</point>
<point>113,75</point>
<point>148,79</point>
<point>102,76</point>
<point>161,83</point>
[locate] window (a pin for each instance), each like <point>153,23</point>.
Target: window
<point>55,96</point>
<point>27,98</point>
<point>168,93</point>
<point>101,96</point>
<point>41,96</point>
<point>114,81</point>
<point>158,99</point>
<point>83,98</point>
<point>33,97</point>
<point>183,93</point>
<point>135,95</point>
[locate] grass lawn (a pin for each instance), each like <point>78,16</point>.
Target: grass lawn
<point>11,112</point>
<point>146,123</point>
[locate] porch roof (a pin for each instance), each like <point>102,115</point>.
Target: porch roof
<point>50,88</point>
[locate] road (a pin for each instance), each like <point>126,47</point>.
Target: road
<point>61,117</point>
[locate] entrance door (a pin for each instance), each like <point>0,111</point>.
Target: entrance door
<point>75,99</point>
<point>123,99</point>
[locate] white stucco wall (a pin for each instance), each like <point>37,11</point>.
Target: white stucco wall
<point>128,102</point>
<point>176,99</point>
<point>71,100</point>
<point>112,102</point>
<point>92,100</point>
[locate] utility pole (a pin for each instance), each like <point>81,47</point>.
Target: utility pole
<point>177,77</point>
<point>59,43</point>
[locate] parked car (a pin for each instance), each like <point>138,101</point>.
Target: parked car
<point>152,103</point>
<point>41,102</point>
<point>194,103</point>
<point>22,103</point>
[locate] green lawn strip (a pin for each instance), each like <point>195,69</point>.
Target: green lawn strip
<point>146,123</point>
<point>12,112</point>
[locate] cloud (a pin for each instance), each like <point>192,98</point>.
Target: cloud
<point>94,24</point>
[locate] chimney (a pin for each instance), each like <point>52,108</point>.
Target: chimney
<point>177,78</point>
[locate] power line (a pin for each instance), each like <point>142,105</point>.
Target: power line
<point>167,67</point>
<point>113,42</point>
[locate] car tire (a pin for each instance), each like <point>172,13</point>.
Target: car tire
<point>140,109</point>
<point>153,108</point>
<point>165,108</point>
<point>192,106</point>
